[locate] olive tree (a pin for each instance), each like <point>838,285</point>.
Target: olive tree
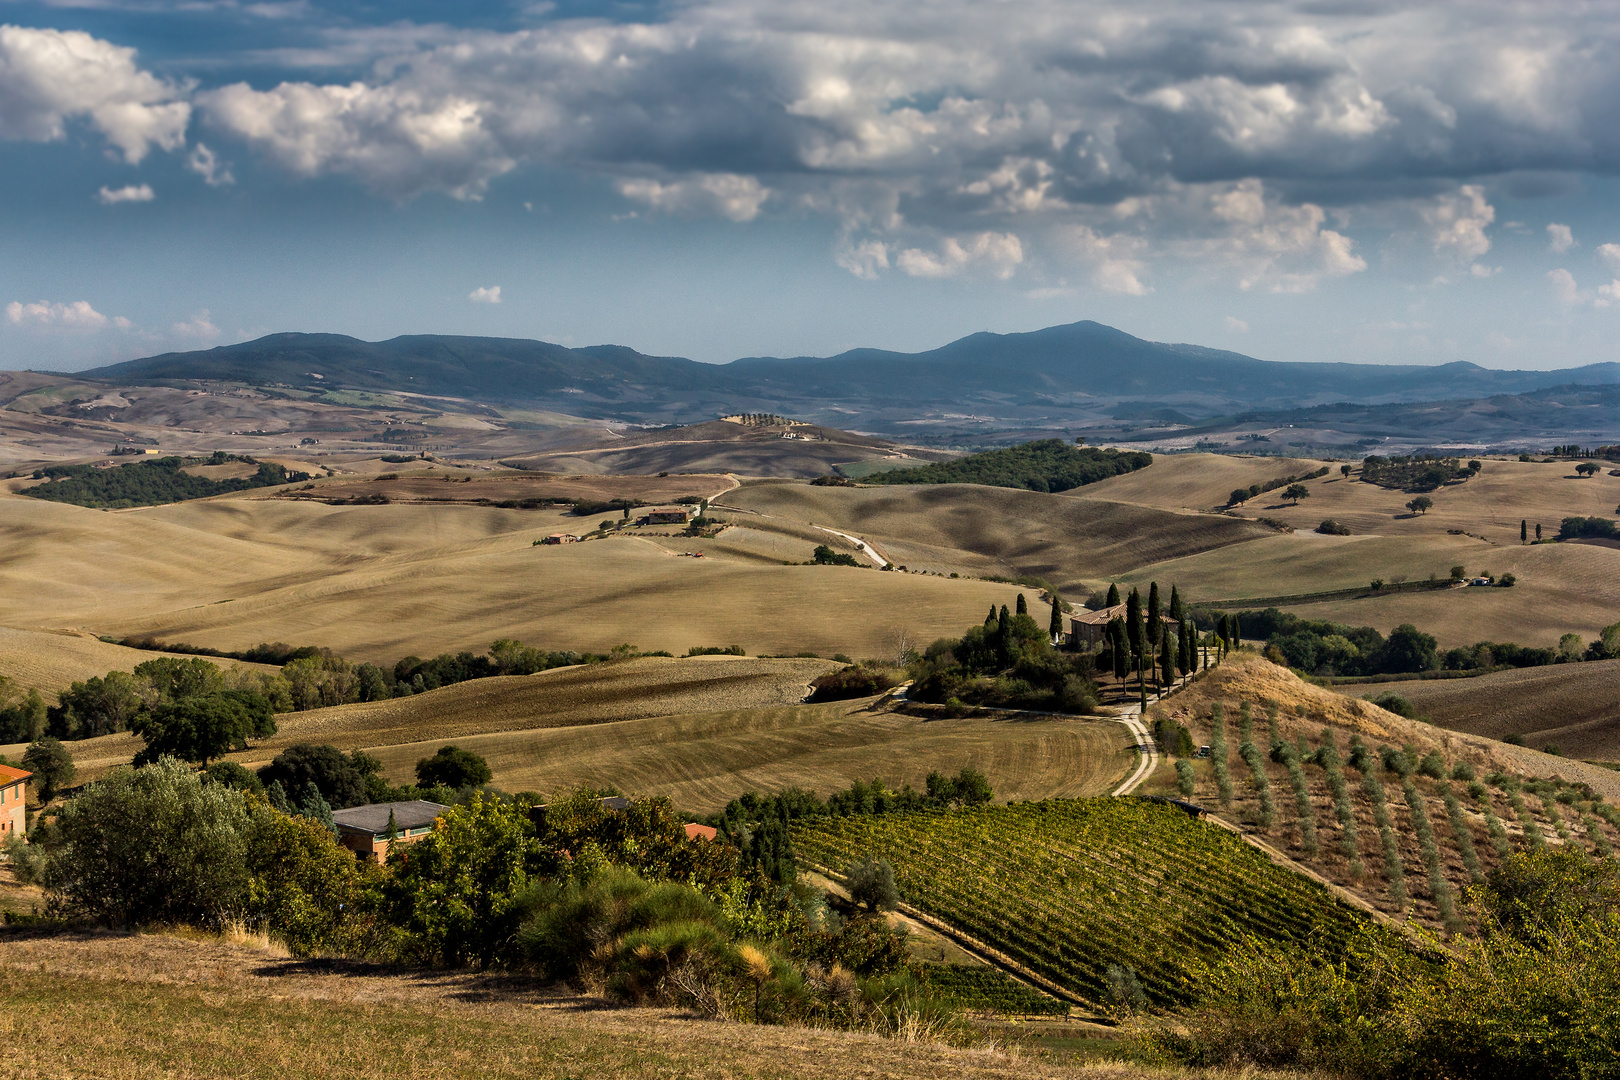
<point>871,884</point>
<point>149,846</point>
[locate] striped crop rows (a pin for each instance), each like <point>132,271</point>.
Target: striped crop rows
<point>1070,887</point>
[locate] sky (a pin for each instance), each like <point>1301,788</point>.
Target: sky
<point>1333,180</point>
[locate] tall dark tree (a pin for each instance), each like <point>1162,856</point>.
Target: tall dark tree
<point>1056,626</point>
<point>1133,624</point>
<point>1524,530</point>
<point>1167,657</point>
<point>1116,635</point>
<point>990,618</point>
<point>1184,649</point>
<point>1022,607</point>
<point>1113,595</point>
<point>1237,633</point>
<point>1176,611</point>
<point>1538,530</point>
<point>1153,609</point>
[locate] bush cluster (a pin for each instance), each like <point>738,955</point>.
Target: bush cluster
<point>1043,465</point>
<point>1007,662</point>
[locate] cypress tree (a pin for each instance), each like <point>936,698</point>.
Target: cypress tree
<point>1116,637</point>
<point>1056,626</point>
<point>1524,530</point>
<point>1023,605</point>
<point>990,618</point>
<point>1184,650</point>
<point>1175,605</point>
<point>1538,530</point>
<point>1133,623</point>
<point>1113,595</point>
<point>1167,659</point>
<point>1005,618</point>
<point>1237,633</point>
<point>1153,609</point>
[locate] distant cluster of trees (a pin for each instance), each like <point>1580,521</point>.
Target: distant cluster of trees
<point>1321,647</point>
<point>1580,528</point>
<point>1417,472</point>
<point>1043,465</point>
<point>1296,490</point>
<point>150,483</point>
<point>175,696</point>
<point>311,780</point>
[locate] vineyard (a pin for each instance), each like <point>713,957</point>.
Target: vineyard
<point>1088,892</point>
<point>978,989</point>
<point>1404,815</point>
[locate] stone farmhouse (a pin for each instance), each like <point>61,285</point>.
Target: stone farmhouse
<point>13,800</point>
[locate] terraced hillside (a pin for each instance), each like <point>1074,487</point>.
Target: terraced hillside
<point>1072,887</point>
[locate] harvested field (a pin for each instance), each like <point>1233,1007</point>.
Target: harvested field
<point>1573,706</point>
<point>1304,711</point>
<point>969,528</point>
<point>155,1005</point>
<point>380,582</point>
<point>563,697</point>
<point>1193,481</point>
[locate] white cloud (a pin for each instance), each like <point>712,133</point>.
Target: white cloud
<point>127,193</point>
<point>1564,287</point>
<point>1236,325</point>
<point>482,295</point>
<point>1457,222</point>
<point>1607,295</point>
<point>863,259</point>
<point>1480,270</point>
<point>1559,238</point>
<point>199,327</point>
<point>727,195</point>
<point>1000,252</point>
<point>206,164</point>
<point>46,315</point>
<point>49,77</point>
<point>1610,254</point>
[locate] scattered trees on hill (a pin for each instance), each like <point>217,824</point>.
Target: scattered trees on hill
<point>1008,661</point>
<point>1044,465</point>
<point>1297,492</point>
<point>1241,495</point>
<point>1421,472</point>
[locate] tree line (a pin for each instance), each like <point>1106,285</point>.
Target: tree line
<point>1044,465</point>
<point>150,483</point>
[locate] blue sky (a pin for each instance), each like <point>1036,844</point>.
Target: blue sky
<point>1357,180</point>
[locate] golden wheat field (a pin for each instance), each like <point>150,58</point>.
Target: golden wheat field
<point>50,660</point>
<point>379,582</point>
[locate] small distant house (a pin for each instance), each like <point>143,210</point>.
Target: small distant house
<point>668,515</point>
<point>1480,581</point>
<point>561,538</point>
<point>364,830</point>
<point>694,831</point>
<point>13,800</point>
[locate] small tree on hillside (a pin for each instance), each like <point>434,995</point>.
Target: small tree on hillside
<point>1587,469</point>
<point>1022,606</point>
<point>1344,471</point>
<point>1297,492</point>
<point>871,884</point>
<point>1113,595</point>
<point>51,765</point>
<point>453,768</point>
<point>1420,505</point>
<point>1524,530</point>
<point>1239,495</point>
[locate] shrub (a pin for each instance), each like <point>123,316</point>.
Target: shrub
<point>1432,765</point>
<point>1333,528</point>
<point>1395,703</point>
<point>1462,771</point>
<point>826,556</point>
<point>453,767</point>
<point>871,884</point>
<point>153,845</point>
<point>1185,783</point>
<point>855,681</point>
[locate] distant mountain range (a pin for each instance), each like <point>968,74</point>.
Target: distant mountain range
<point>1077,374</point>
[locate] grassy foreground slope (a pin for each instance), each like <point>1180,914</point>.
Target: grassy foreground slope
<point>1072,887</point>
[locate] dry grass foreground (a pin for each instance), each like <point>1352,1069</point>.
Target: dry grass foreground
<point>379,582</point>
<point>1306,710</point>
<point>618,725</point>
<point>165,1006</point>
<point>1574,706</point>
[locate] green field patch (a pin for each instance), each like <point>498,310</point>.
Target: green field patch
<point>1082,890</point>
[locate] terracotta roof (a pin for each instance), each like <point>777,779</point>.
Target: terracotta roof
<point>9,776</point>
<point>374,818</point>
<point>695,831</point>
